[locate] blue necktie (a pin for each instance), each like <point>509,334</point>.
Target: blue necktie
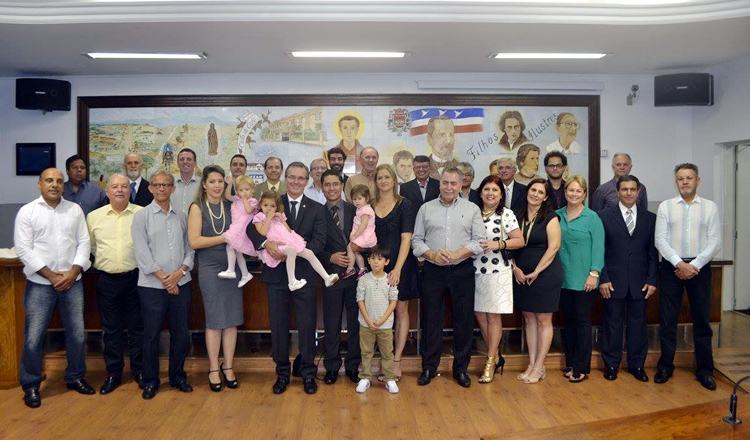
<point>132,191</point>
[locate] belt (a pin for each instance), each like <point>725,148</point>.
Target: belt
<point>120,274</point>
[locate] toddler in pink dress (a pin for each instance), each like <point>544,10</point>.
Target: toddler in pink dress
<point>363,230</point>
<point>271,222</point>
<point>243,208</point>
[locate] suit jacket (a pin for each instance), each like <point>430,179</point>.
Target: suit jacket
<point>410,190</point>
<point>518,198</point>
<point>143,196</point>
<point>259,189</point>
<point>474,197</point>
<point>310,223</point>
<point>336,240</point>
<point>629,261</point>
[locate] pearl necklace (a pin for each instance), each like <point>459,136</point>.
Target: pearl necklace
<point>220,216</point>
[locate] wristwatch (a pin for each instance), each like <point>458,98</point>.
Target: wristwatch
<point>183,272</point>
<point>593,274</point>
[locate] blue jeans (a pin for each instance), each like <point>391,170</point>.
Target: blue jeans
<point>39,302</point>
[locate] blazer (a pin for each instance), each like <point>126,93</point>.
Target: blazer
<point>143,196</point>
<point>518,198</point>
<point>629,261</point>
<point>311,225</point>
<point>259,189</point>
<point>474,197</point>
<point>336,240</point>
<point>410,190</point>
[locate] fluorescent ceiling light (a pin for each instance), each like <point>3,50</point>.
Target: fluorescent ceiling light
<point>145,56</point>
<point>345,54</point>
<point>542,55</point>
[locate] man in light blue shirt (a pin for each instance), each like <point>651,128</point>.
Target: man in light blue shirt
<point>447,232</point>
<point>687,235</point>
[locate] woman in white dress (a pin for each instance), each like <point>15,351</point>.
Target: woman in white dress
<point>494,275</point>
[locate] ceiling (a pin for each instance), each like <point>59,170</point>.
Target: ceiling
<point>48,38</point>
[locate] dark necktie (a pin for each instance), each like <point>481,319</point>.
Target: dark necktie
<point>293,212</point>
<point>335,215</point>
<point>132,191</point>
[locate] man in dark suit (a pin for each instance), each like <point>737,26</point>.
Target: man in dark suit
<point>307,218</point>
<point>628,279</point>
<point>342,295</point>
<point>139,193</point>
<point>515,193</point>
<point>422,188</point>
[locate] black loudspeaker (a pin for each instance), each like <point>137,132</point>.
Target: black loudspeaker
<point>42,94</point>
<point>684,89</point>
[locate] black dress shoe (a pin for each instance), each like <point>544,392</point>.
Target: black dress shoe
<point>110,384</point>
<point>662,376</point>
<point>707,381</point>
<point>183,386</point>
<point>330,377</point>
<point>80,386</point>
<point>138,378</point>
<point>280,385</point>
<point>32,398</point>
<point>610,373</point>
<point>353,375</point>
<point>426,377</point>
<point>310,386</point>
<point>639,374</point>
<point>462,378</point>
<point>149,391</point>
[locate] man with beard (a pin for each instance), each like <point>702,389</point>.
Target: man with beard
<point>139,193</point>
<point>441,137</point>
<point>336,161</point>
<point>555,164</point>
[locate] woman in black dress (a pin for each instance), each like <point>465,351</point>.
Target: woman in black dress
<point>538,276</point>
<point>394,225</point>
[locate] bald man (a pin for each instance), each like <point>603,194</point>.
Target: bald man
<point>369,158</point>
<point>139,193</point>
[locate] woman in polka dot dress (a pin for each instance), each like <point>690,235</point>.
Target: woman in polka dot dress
<point>494,275</point>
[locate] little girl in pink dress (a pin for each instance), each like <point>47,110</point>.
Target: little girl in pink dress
<point>271,222</point>
<point>243,208</point>
<point>363,230</point>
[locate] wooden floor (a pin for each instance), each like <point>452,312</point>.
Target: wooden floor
<point>440,410</point>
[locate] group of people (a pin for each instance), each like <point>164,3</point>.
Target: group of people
<point>374,244</point>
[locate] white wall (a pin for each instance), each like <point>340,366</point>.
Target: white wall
<point>654,137</point>
<point>716,130</point>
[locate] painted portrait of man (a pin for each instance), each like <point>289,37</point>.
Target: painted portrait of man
<point>567,130</point>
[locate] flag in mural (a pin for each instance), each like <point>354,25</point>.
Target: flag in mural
<point>465,120</point>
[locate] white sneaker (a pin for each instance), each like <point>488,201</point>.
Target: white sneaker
<point>331,280</point>
<point>227,275</point>
<point>296,285</point>
<point>392,386</point>
<point>364,385</point>
<point>244,280</point>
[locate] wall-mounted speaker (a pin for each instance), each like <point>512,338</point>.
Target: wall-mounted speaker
<point>42,94</point>
<point>684,89</point>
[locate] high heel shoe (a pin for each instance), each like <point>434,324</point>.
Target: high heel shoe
<point>230,383</point>
<point>215,387</point>
<point>524,375</point>
<point>489,370</point>
<point>500,363</point>
<point>535,376</point>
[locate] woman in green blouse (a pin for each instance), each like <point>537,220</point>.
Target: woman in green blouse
<point>582,258</point>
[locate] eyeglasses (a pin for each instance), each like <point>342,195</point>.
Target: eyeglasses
<point>555,165</point>
<point>161,185</point>
<point>570,124</point>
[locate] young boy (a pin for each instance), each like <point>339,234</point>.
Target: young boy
<point>376,301</point>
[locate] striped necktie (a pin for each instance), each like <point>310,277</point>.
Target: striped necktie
<point>335,215</point>
<point>629,221</point>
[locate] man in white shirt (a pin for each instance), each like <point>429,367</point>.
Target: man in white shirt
<point>52,241</point>
<point>315,190</point>
<point>687,235</point>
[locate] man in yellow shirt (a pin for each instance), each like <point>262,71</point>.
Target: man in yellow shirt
<point>116,287</point>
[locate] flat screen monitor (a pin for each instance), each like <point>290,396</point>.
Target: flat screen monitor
<point>33,158</point>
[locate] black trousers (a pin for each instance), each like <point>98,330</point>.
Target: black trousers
<point>670,301</point>
<point>576,307</point>
<point>616,312</point>
<point>458,280</point>
<point>339,297</point>
<point>280,304</point>
<point>157,304</point>
<point>120,309</point>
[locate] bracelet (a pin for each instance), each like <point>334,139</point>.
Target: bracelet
<point>504,245</point>
<point>593,274</point>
